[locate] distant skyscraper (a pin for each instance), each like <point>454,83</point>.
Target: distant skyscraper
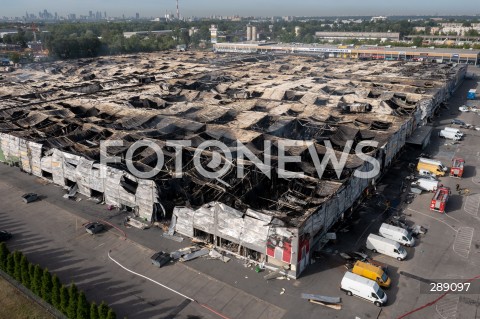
<point>137,15</point>
<point>105,14</point>
<point>178,12</point>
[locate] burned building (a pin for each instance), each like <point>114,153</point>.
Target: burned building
<point>54,118</point>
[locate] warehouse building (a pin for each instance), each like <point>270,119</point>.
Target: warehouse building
<point>438,55</point>
<point>52,125</point>
<point>332,35</point>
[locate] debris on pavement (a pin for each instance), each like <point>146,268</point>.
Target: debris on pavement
<point>330,302</point>
<point>195,254</point>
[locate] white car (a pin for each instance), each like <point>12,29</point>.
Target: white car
<point>464,108</point>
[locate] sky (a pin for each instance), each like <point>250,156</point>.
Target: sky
<point>149,8</point>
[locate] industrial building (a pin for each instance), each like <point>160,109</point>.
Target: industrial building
<point>333,35</point>
<point>438,55</point>
<point>147,33</point>
<point>51,125</point>
<point>445,39</point>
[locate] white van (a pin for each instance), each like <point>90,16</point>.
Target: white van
<point>450,135</point>
<point>397,234</point>
<point>386,246</point>
<point>454,130</point>
<point>427,184</point>
<point>355,285</point>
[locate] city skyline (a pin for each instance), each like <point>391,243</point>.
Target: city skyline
<point>151,8</point>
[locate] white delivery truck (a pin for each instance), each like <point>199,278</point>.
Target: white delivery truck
<point>454,130</point>
<point>397,234</point>
<point>355,285</point>
<point>427,184</point>
<point>449,135</point>
<point>386,246</point>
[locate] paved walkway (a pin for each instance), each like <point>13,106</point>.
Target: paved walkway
<point>55,238</point>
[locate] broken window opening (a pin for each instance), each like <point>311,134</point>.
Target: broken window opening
<point>47,175</point>
<point>96,194</point>
<point>251,254</point>
<point>69,183</point>
<point>129,185</point>
<point>203,236</point>
<point>227,245</point>
<point>128,209</point>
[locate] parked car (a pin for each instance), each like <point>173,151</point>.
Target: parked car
<point>458,122</point>
<point>5,235</point>
<point>30,197</point>
<point>94,228</point>
<point>160,259</point>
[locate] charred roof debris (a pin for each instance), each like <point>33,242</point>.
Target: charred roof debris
<point>54,117</point>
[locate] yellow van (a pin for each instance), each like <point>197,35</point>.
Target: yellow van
<point>372,272</point>
<point>435,167</point>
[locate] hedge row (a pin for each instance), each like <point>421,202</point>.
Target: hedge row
<point>67,299</point>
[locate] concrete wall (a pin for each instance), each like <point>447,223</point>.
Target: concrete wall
<point>88,175</point>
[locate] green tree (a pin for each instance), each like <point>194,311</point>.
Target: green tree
<point>17,272</point>
<point>72,301</point>
<point>56,285</point>
<point>111,314</point>
<point>64,299</point>
<point>472,33</point>
<point>82,306</point>
<point>418,41</point>
<point>3,256</point>
<point>31,272</point>
<point>14,57</point>
<point>46,289</point>
<point>24,271</point>
<point>93,311</point>
<point>37,280</point>
<point>10,265</point>
<point>102,311</point>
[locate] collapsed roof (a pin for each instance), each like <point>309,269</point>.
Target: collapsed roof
<point>72,106</point>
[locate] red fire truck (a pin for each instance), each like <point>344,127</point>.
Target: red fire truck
<point>457,167</point>
<point>439,200</point>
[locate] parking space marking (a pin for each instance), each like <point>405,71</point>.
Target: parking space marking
<point>447,307</point>
<point>463,241</point>
<point>452,227</point>
<point>472,204</point>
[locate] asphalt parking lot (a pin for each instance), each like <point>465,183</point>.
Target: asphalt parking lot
<point>50,232</point>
